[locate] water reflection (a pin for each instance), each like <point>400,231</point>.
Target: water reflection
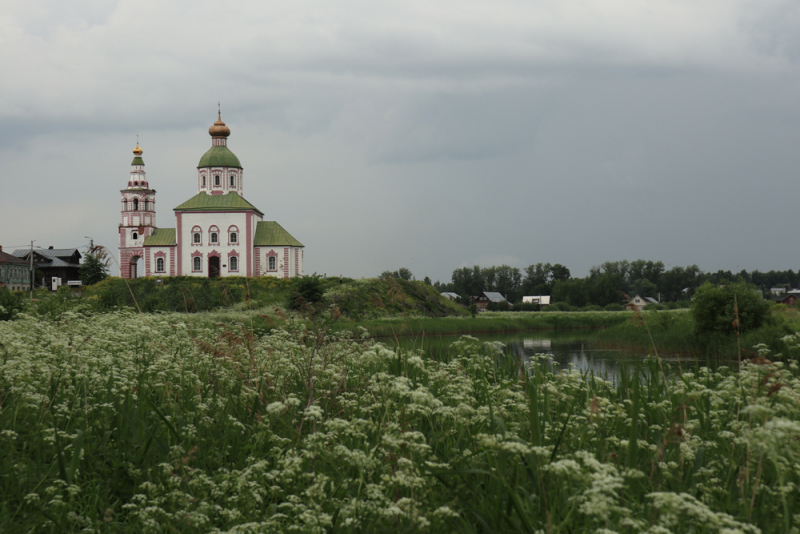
<point>565,350</point>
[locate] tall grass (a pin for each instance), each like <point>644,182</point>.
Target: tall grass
<point>177,424</point>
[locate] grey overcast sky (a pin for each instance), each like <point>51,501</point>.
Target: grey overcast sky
<point>428,134</point>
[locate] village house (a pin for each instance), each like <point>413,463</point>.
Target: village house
<point>14,272</point>
<point>483,300</point>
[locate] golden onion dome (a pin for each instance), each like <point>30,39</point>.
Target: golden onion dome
<point>219,129</point>
<point>137,151</point>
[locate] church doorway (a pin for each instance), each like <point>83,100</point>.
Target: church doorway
<point>213,266</point>
<point>134,264</point>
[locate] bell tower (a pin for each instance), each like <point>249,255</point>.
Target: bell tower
<point>138,218</point>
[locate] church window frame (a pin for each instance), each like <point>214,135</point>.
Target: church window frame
<point>135,235</point>
<point>160,265</point>
<point>233,235</point>
<point>135,204</point>
<point>233,180</point>
<point>204,180</point>
<point>216,180</point>
<point>233,263</point>
<point>197,264</point>
<point>213,235</point>
<point>272,263</point>
<point>197,236</point>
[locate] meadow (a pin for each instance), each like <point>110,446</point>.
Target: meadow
<point>168,422</point>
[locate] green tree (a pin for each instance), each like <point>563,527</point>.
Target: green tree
<point>95,265</point>
<point>402,273</point>
<point>306,290</point>
<point>713,308</point>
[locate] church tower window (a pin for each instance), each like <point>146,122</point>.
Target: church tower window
<point>204,181</point>
<point>136,235</point>
<point>135,204</point>
<point>216,180</point>
<point>233,181</point>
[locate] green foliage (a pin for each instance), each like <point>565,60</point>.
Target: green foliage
<point>473,310</point>
<point>614,307</point>
<point>11,303</point>
<point>53,305</point>
<point>94,268</point>
<point>402,273</point>
<point>306,290</point>
<point>498,306</point>
<point>173,426</point>
<point>714,309</point>
<point>372,298</point>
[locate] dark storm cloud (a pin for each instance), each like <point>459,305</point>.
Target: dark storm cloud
<point>445,132</point>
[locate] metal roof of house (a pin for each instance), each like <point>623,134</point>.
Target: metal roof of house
<point>161,237</point>
<point>204,202</point>
<point>494,296</point>
<point>5,257</point>
<point>49,252</point>
<point>270,233</point>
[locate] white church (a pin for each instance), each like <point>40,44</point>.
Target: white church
<point>217,232</point>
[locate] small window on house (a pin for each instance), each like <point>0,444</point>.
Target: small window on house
<point>214,238</point>
<point>160,265</point>
<point>234,237</point>
<point>216,180</point>
<point>233,180</point>
<point>272,263</point>
<point>196,238</point>
<point>196,264</point>
<point>234,261</point>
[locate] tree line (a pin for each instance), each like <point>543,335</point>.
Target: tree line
<point>611,282</point>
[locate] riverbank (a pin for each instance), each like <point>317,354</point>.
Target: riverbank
<point>488,322</point>
<point>672,332</point>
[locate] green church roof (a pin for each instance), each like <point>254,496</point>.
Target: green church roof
<point>204,202</point>
<point>219,156</point>
<point>272,234</point>
<point>161,237</point>
<point>137,161</point>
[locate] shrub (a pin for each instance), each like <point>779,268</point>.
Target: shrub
<point>10,304</point>
<point>714,312</point>
<point>306,290</point>
<point>498,306</point>
<point>614,307</point>
<point>592,307</point>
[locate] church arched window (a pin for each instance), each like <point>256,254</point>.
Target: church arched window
<point>197,238</point>
<point>159,265</point>
<point>204,181</point>
<point>216,180</point>
<point>136,235</point>
<point>135,204</point>
<point>233,181</point>
<point>213,235</point>
<point>197,264</point>
<point>233,235</point>
<point>272,263</point>
<point>234,263</point>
